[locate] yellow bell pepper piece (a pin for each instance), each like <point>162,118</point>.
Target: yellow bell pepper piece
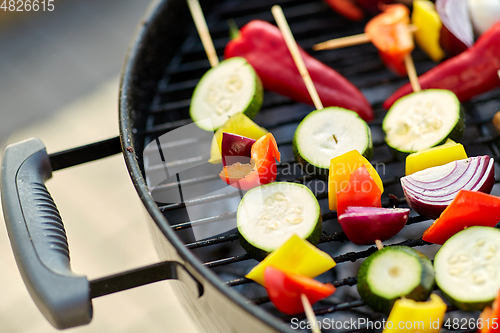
<point>408,315</point>
<point>440,155</point>
<point>294,256</point>
<point>341,168</point>
<point>236,124</point>
<point>428,23</point>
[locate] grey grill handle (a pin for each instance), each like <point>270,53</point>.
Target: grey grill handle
<point>38,237</point>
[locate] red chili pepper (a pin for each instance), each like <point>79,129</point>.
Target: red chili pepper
<point>362,191</point>
<point>389,33</point>
<point>263,46</point>
<point>347,8</point>
<point>284,290</point>
<point>466,210</point>
<point>468,74</point>
<point>262,169</point>
<point>490,318</point>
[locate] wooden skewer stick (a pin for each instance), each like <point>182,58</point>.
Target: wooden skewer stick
<point>379,244</point>
<point>412,73</point>
<point>201,26</point>
<point>294,50</point>
<point>498,73</point>
<point>338,43</point>
<point>309,313</point>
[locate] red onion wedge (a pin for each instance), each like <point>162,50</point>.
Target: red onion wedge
<point>431,190</point>
<point>456,33</point>
<point>364,225</point>
<point>236,148</point>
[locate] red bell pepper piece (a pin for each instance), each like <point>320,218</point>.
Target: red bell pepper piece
<point>347,8</point>
<point>362,191</point>
<point>261,170</point>
<point>468,209</point>
<point>468,74</point>
<point>490,318</point>
<point>284,290</point>
<point>263,46</point>
<point>389,33</point>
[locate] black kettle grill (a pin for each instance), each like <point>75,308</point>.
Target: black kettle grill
<point>164,63</point>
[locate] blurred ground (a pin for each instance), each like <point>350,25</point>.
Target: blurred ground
<point>59,82</point>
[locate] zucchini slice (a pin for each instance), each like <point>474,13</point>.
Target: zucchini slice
<point>468,268</point>
<point>232,86</point>
<point>328,133</point>
<point>269,215</point>
<point>394,272</point>
<point>423,120</point>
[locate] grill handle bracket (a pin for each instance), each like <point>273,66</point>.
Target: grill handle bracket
<point>38,237</point>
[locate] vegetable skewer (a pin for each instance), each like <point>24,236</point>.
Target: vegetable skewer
<point>309,313</point>
<point>279,16</point>
<point>201,27</point>
<point>227,88</point>
<point>353,40</point>
<point>297,58</point>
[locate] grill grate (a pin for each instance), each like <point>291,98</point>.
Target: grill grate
<point>311,22</point>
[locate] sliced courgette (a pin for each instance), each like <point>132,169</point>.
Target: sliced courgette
<point>269,215</point>
<point>394,272</point>
<point>328,133</point>
<point>423,120</point>
<point>467,268</point>
<point>232,86</point>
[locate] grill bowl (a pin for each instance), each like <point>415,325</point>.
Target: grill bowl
<point>164,64</point>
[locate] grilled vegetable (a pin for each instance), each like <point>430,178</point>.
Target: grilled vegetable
<point>466,210</point>
<point>361,191</point>
<point>468,74</point>
<point>325,134</point>
<point>394,272</point>
<point>448,152</point>
<point>430,191</point>
<point>428,23</point>
<point>347,8</point>
<point>456,32</point>
<point>294,256</point>
<point>341,168</point>
<point>467,268</point>
<point>229,88</point>
<point>263,46</point>
<point>237,124</point>
<point>389,32</point>
<point>284,290</point>
<point>236,148</point>
<point>364,225</point>
<point>484,13</point>
<point>269,215</point>
<point>489,317</point>
<point>261,170</point>
<point>423,120</point>
<point>427,315</point>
